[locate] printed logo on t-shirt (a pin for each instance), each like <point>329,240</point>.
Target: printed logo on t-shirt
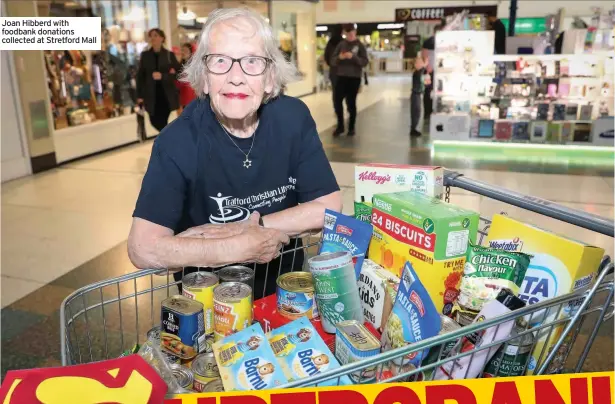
<point>232,209</point>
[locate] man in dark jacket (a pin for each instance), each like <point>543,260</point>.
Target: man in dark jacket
<point>349,57</point>
<point>336,38</point>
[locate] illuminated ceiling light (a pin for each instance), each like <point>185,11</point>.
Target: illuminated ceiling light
<point>135,14</point>
<point>322,28</point>
<point>186,16</point>
<point>390,26</point>
<point>202,20</point>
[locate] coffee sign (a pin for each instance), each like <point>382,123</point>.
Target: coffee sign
<point>437,13</point>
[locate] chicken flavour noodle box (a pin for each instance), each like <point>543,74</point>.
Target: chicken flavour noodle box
<point>431,234</point>
<point>302,353</point>
<point>559,265</point>
<point>371,179</point>
<point>246,362</point>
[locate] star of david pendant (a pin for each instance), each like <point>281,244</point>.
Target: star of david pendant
<point>247,163</point>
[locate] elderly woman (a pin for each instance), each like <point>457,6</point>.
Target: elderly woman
<point>241,169</point>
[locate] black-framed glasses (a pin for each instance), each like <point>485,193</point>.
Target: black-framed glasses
<point>222,64</point>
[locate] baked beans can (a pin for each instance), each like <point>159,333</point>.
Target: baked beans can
<point>232,308</point>
<point>295,295</point>
<point>200,286</point>
<point>183,375</point>
<point>237,273</point>
<point>182,327</point>
<point>215,386</point>
<point>205,370</point>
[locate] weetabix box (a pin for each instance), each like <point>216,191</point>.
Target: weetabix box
<point>433,235</point>
<point>371,179</point>
<point>559,265</point>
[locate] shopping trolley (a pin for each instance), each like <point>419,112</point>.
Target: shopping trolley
<point>101,320</point>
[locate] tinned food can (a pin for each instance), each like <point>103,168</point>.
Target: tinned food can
<point>215,386</point>
<point>182,327</point>
<point>295,295</point>
<point>512,358</point>
<point>183,375</point>
<point>354,342</point>
<point>205,370</point>
<point>200,286</point>
<point>237,273</point>
<point>232,308</point>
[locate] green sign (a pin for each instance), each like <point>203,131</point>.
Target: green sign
<point>524,26</point>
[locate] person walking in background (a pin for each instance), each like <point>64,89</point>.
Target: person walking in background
<point>156,77</point>
<point>428,54</point>
<point>418,87</point>
<point>349,58</point>
<point>186,93</point>
<point>336,38</point>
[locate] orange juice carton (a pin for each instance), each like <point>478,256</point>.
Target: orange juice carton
<point>371,179</point>
<point>433,235</point>
<point>559,265</point>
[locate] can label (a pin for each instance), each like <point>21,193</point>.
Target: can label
<point>293,305</point>
<point>508,362</point>
<point>231,317</point>
<point>206,296</point>
<point>182,334</point>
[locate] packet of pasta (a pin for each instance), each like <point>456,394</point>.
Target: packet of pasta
<point>414,317</point>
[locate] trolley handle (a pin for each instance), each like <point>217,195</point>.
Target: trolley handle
<point>551,209</point>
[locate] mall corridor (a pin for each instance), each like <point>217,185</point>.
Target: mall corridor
<point>67,228</point>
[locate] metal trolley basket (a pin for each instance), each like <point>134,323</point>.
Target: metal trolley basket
<point>101,320</point>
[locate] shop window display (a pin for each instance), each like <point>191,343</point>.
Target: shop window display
<point>89,86</point>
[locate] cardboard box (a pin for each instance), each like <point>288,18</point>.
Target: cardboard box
<point>559,265</point>
<point>376,300</point>
<point>265,312</point>
<point>433,235</point>
<point>371,179</point>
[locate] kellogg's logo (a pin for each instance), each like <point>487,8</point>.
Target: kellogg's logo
<point>343,230</point>
<point>416,300</point>
<point>507,245</point>
<point>373,176</point>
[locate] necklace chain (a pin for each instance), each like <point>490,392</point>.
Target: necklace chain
<point>247,163</point>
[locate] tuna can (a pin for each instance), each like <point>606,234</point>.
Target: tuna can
<point>199,286</point>
<point>205,370</point>
<point>232,308</point>
<point>295,295</point>
<point>182,327</point>
<point>183,375</point>
<point>237,273</point>
<point>512,358</point>
<point>337,293</point>
<point>215,386</point>
<point>354,342</point>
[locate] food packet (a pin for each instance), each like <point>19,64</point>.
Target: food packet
<point>152,353</point>
<point>489,270</point>
<point>344,233</point>
<point>414,318</point>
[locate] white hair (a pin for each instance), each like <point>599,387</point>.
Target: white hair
<point>282,72</point>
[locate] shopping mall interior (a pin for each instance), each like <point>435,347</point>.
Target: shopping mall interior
<point>535,119</point>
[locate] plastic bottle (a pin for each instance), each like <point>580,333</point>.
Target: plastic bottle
<point>470,366</point>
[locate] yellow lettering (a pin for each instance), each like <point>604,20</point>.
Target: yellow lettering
<point>7,399</point>
<point>83,390</point>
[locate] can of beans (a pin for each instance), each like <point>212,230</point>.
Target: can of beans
<point>232,308</point>
<point>183,375</point>
<point>215,386</point>
<point>237,273</point>
<point>200,286</point>
<point>205,370</point>
<point>295,295</point>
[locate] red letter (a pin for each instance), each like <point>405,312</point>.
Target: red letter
<point>341,396</point>
<point>294,398</point>
<point>578,391</point>
<point>242,400</point>
<point>439,394</point>
<point>601,390</point>
<point>505,393</point>
<point>546,393</point>
<point>398,394</point>
<point>206,400</point>
<point>174,401</point>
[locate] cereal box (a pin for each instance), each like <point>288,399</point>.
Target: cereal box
<point>371,179</point>
<point>373,291</point>
<point>302,353</point>
<point>246,361</point>
<point>559,265</point>
<point>433,235</point>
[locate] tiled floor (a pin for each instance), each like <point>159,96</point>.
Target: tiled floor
<point>66,228</point>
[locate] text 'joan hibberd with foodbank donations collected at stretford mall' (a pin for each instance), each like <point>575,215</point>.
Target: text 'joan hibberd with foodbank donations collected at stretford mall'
<point>21,33</point>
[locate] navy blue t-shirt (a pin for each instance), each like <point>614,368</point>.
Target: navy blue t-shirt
<point>196,175</point>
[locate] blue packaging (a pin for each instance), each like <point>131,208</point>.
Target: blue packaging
<point>414,318</point>
<point>344,233</point>
<point>246,362</point>
<point>302,353</point>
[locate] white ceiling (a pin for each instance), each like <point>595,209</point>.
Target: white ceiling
<point>203,8</point>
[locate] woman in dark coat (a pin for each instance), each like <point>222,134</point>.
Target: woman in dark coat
<point>156,88</point>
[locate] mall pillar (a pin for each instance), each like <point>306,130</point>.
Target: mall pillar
<point>512,20</point>
<point>32,85</point>
<point>167,16</point>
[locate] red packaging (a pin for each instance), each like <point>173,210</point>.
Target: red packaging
<point>265,312</point>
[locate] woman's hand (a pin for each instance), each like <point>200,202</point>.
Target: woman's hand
<point>260,245</point>
<point>157,75</point>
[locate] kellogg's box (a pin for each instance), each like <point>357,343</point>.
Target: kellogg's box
<point>559,265</point>
<point>246,361</point>
<point>433,235</point>
<point>371,179</point>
